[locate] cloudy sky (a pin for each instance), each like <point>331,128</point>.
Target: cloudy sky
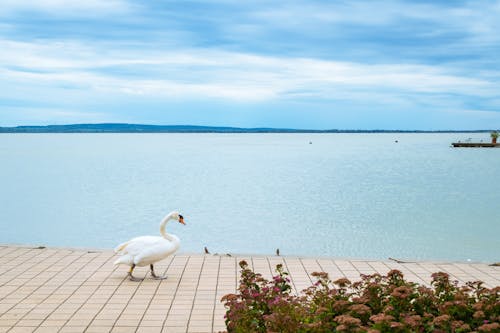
<point>296,64</point>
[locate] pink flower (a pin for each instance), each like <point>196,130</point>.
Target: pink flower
<point>276,300</point>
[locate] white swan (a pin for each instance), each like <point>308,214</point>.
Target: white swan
<point>146,250</point>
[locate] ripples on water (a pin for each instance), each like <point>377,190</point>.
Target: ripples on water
<point>344,195</point>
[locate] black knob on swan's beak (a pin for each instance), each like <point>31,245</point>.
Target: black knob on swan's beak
<point>181,219</point>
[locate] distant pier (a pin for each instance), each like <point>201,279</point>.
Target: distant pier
<point>475,145</point>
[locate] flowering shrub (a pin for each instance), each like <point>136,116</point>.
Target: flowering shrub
<point>374,304</point>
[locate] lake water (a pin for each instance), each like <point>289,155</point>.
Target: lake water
<point>343,195</point>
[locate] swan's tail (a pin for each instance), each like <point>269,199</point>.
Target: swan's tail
<point>120,249</point>
<point>125,257</point>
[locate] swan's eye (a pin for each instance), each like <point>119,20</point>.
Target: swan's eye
<point>181,217</point>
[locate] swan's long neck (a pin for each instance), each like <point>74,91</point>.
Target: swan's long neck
<point>163,224</point>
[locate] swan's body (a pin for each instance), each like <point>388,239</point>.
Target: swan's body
<point>147,250</point>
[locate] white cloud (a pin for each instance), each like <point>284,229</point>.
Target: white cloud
<point>87,8</point>
<point>11,116</point>
<point>469,23</point>
<point>484,114</point>
<point>224,75</point>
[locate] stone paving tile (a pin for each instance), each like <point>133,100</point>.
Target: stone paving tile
<point>69,291</point>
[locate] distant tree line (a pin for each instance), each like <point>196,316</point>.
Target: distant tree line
<point>138,128</point>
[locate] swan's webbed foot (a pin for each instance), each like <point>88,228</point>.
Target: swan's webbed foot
<point>156,277</point>
<point>131,277</point>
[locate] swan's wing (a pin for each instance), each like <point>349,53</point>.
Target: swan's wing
<point>136,245</point>
<point>155,252</point>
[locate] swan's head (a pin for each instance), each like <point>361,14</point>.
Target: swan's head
<point>177,216</point>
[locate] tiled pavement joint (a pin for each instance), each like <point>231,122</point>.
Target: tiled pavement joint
<point>165,320</point>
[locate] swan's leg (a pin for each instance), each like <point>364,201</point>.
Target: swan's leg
<point>131,277</point>
<point>156,277</point>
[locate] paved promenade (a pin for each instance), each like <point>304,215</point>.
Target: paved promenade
<point>65,290</point>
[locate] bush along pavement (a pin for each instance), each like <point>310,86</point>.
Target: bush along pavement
<point>376,303</point>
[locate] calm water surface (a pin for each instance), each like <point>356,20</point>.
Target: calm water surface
<point>344,195</point>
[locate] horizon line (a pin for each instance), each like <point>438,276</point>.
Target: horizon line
<point>143,128</point>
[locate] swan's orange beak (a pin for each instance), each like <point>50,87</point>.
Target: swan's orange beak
<point>181,220</point>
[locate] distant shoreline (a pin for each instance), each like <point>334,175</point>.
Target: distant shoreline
<point>139,128</point>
